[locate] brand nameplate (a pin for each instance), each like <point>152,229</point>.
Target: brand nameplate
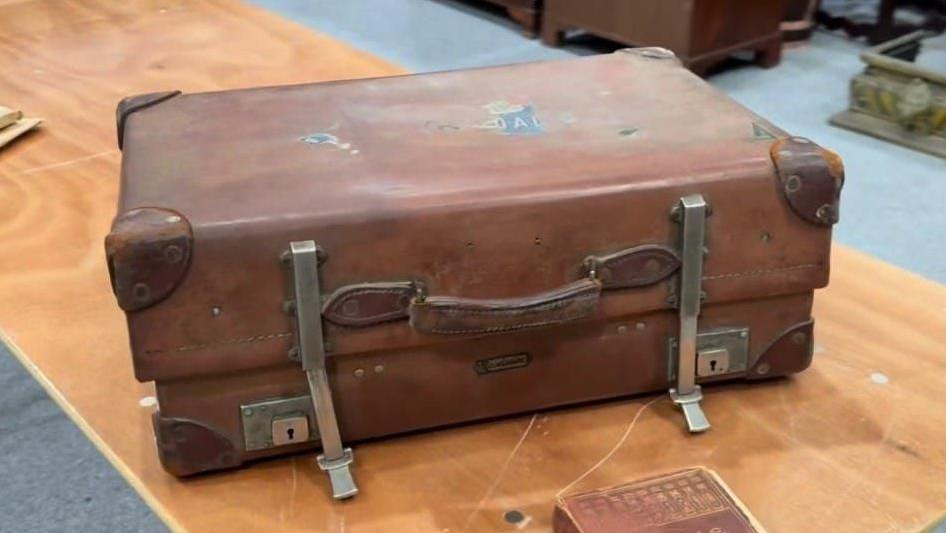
<point>502,362</point>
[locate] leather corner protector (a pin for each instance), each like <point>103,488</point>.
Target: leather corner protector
<point>366,304</point>
<point>789,353</point>
<point>635,267</point>
<point>650,52</point>
<point>129,105</point>
<point>810,178</point>
<point>148,252</point>
<point>187,447</point>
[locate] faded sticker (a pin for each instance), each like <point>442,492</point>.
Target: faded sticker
<point>761,134</point>
<point>328,138</point>
<point>512,119</point>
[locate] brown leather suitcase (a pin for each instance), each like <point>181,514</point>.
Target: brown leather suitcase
<point>358,259</point>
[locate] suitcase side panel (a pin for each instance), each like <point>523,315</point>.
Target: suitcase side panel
<point>227,313</point>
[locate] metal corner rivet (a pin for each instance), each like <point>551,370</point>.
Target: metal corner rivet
<point>141,291</point>
<point>378,369</point>
<point>216,311</point>
<point>294,353</point>
<point>743,334</point>
<point>675,213</point>
<point>793,183</point>
<point>173,254</point>
<point>359,372</point>
<point>651,265</point>
<point>247,412</point>
<point>289,307</point>
<point>762,369</point>
<point>799,337</point>
<point>622,329</point>
<point>825,213</point>
<point>766,236</point>
<point>172,219</point>
<point>640,326</point>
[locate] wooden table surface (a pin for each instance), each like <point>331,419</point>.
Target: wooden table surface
<point>856,443</point>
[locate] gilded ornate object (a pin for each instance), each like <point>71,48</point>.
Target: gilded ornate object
<point>897,100</point>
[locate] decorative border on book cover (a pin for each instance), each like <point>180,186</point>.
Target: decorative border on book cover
<point>690,500</point>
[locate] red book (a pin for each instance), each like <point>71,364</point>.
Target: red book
<point>694,500</point>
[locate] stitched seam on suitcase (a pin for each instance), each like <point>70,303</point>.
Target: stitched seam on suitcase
<point>244,340</point>
<point>763,272</point>
<point>551,306</point>
<point>497,329</point>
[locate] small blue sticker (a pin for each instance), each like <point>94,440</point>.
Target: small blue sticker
<point>327,138</point>
<point>511,119</point>
<point>320,138</point>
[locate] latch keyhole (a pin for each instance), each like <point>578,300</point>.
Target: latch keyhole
<point>291,431</point>
<point>712,368</point>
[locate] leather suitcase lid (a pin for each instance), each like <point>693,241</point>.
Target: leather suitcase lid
<point>488,183</point>
<point>334,150</point>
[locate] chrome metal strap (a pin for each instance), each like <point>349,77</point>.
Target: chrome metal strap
<point>335,458</point>
<point>686,394</point>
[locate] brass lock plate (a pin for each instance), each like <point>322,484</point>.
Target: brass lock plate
<point>718,353</point>
<point>278,422</point>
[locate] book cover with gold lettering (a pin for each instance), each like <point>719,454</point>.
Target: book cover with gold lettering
<point>694,500</point>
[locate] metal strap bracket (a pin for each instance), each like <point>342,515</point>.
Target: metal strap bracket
<point>303,259</point>
<point>691,211</point>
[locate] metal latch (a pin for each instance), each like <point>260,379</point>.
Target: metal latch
<point>692,216</point>
<point>310,348</point>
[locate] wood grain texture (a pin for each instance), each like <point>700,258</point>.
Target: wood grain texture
<point>833,449</point>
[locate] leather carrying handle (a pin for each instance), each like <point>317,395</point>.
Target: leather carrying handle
<point>367,304</point>
<point>456,316</point>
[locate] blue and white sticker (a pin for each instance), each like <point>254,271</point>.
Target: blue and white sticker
<point>512,119</point>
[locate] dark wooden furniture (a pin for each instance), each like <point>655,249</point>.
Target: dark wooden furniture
<point>798,21</point>
<point>525,12</point>
<point>885,26</point>
<point>700,32</point>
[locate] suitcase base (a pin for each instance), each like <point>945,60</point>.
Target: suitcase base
<point>219,422</point>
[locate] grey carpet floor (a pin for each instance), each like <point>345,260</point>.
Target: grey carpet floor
<point>52,478</point>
